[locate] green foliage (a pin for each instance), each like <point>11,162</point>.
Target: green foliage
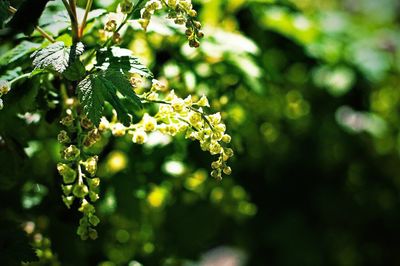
<point>104,85</point>
<point>58,57</point>
<point>4,14</point>
<point>19,52</point>
<point>309,94</point>
<point>120,59</point>
<point>27,16</point>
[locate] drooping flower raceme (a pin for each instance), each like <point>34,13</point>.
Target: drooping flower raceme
<point>176,115</point>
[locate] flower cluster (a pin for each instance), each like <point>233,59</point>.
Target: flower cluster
<point>176,115</point>
<point>4,89</point>
<point>181,11</point>
<point>113,21</point>
<point>78,169</point>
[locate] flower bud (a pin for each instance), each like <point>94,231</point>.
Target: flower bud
<point>66,189</point>
<point>215,165</point>
<point>71,153</point>
<point>67,120</point>
<point>118,130</point>
<point>178,104</point>
<point>200,34</point>
<point>197,25</point>
<point>215,148</point>
<point>104,124</point>
<point>126,6</point>
<point>94,220</point>
<point>63,137</point>
<point>226,138</point>
<point>93,196</point>
<point>203,102</point>
<point>86,207</point>
<point>91,165</point>
<point>68,200</point>
<point>116,38</point>
<point>227,170</point>
<point>194,43</point>
<point>86,123</point>
<point>216,174</point>
<point>110,26</point>
<point>94,183</point>
<point>92,233</point>
<point>4,87</point>
<point>149,123</point>
<point>139,137</point>
<point>68,174</point>
<point>80,190</point>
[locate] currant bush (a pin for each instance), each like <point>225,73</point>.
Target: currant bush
<point>103,86</point>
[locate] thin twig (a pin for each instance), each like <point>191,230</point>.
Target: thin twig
<point>13,10</point>
<point>83,24</point>
<point>74,20</point>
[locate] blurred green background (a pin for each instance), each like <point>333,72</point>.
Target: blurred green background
<point>310,92</point>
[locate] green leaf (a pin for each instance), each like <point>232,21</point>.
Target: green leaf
<point>90,93</point>
<point>120,59</point>
<point>18,52</point>
<point>4,13</point>
<point>14,244</point>
<point>55,18</point>
<point>139,4</point>
<point>27,16</point>
<point>103,86</point>
<point>124,87</point>
<point>76,71</point>
<point>57,56</point>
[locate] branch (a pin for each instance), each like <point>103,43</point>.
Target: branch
<point>13,10</point>
<point>71,9</point>
<point>83,24</point>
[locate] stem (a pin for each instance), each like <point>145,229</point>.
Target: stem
<point>106,43</point>
<point>44,34</point>
<point>83,24</point>
<point>71,9</point>
<point>13,10</point>
<point>26,75</point>
<point>190,108</point>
